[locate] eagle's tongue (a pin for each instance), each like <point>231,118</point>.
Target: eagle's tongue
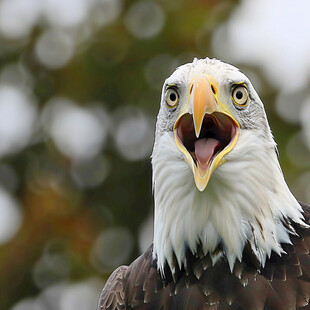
<point>205,149</point>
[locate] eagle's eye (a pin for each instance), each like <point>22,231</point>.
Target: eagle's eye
<point>172,97</point>
<point>240,96</point>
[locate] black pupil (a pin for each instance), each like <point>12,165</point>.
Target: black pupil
<point>239,94</point>
<point>173,97</point>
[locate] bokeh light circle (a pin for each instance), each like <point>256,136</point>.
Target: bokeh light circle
<point>18,115</point>
<point>78,132</point>
<point>11,216</point>
<point>18,17</point>
<point>54,49</point>
<point>134,134</point>
<point>112,248</point>
<point>145,19</point>
<point>68,13</point>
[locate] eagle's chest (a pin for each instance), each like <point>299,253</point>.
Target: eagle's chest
<point>215,287</point>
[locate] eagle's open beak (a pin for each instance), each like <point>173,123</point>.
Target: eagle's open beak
<point>205,131</point>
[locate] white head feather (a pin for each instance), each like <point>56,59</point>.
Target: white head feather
<point>246,199</point>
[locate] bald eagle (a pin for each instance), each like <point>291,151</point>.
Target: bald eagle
<point>228,233</point>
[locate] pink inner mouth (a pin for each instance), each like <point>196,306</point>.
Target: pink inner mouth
<point>205,149</point>
<point>217,132</point>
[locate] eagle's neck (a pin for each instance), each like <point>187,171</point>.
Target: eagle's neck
<point>246,201</point>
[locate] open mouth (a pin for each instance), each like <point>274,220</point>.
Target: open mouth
<point>217,132</point>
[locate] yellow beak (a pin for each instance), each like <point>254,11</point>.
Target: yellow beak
<point>201,101</point>
<point>206,130</point>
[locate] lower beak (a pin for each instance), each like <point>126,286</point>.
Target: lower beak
<point>206,131</point>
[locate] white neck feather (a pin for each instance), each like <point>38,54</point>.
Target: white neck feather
<point>246,200</point>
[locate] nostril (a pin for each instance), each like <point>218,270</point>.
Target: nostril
<point>213,89</point>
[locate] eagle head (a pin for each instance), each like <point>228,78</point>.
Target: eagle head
<point>218,185</point>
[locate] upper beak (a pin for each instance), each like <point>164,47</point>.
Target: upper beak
<point>205,131</point>
<point>201,101</point>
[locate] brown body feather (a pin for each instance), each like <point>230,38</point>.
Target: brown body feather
<point>283,283</point>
